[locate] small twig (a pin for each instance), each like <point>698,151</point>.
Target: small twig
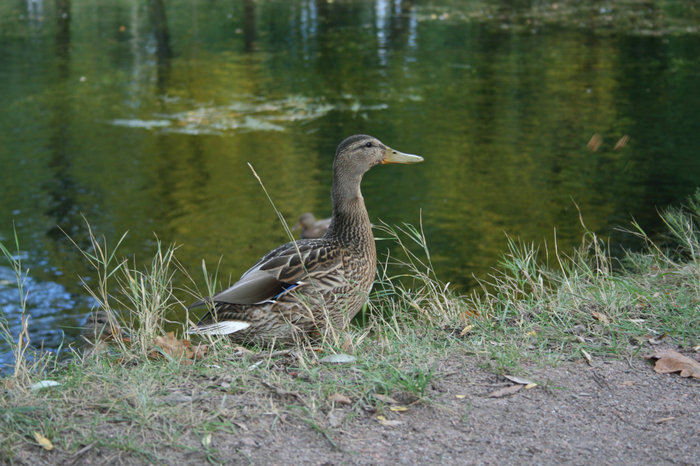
<point>82,451</point>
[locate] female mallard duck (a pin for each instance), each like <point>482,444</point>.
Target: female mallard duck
<point>304,287</point>
<point>310,227</point>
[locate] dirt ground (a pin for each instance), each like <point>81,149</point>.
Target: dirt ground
<point>614,412</point>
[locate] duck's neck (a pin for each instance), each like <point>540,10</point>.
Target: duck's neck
<point>350,223</point>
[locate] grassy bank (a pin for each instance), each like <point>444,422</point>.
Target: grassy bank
<point>139,392</point>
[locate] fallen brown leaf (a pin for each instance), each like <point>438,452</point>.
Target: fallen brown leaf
<point>385,398</point>
<point>340,398</point>
<point>500,393</point>
<point>181,350</point>
<point>600,317</point>
<point>669,361</point>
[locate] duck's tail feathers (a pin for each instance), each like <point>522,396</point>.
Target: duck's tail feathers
<point>220,328</point>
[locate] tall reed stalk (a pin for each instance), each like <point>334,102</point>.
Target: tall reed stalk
<point>20,344</point>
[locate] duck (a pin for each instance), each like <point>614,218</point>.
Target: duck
<point>305,289</point>
<point>100,325</point>
<point>310,227</point>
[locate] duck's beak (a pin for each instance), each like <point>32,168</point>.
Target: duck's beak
<point>394,156</point>
<point>296,227</point>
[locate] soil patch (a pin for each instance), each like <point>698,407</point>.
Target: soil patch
<point>615,412</point>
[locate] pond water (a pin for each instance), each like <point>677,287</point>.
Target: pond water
<point>141,116</point>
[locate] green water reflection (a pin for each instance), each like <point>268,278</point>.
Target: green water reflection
<point>142,116</point>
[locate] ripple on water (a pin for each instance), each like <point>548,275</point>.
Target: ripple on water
<point>46,304</point>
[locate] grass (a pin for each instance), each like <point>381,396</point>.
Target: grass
<point>539,306</point>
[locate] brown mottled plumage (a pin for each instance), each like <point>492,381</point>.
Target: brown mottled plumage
<point>310,227</point>
<point>304,287</point>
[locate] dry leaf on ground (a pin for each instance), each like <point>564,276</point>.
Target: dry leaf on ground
<point>44,384</point>
<point>500,393</point>
<point>340,398</point>
<point>178,349</point>
<point>385,399</point>
<point>600,317</point>
<point>398,408</point>
<point>388,422</point>
<point>519,380</point>
<point>43,441</point>
<point>668,361</point>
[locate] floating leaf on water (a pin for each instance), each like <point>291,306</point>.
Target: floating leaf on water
<point>145,124</point>
<point>44,384</point>
<point>595,142</point>
<point>622,142</point>
<point>339,358</point>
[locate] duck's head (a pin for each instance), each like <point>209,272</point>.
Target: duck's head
<point>358,153</point>
<point>307,220</point>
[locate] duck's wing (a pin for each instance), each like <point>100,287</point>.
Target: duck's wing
<point>280,271</point>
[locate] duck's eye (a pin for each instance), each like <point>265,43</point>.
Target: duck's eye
<point>369,144</point>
